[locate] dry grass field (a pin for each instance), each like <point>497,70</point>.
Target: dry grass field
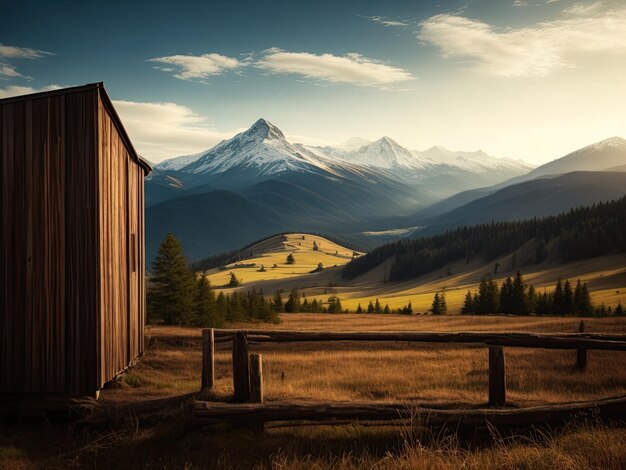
<point>341,371</point>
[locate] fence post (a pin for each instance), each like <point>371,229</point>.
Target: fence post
<point>208,359</point>
<point>241,367</point>
<point>497,376</point>
<point>581,353</point>
<point>256,378</point>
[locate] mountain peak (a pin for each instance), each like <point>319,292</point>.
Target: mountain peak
<point>387,140</point>
<point>265,130</point>
<point>614,141</point>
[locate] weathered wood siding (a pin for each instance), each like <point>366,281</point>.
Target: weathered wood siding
<point>121,255</point>
<point>71,308</point>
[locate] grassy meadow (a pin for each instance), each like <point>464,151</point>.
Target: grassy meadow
<point>381,372</point>
<point>605,276</point>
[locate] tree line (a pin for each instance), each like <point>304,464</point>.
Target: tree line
<point>516,297</point>
<point>583,232</point>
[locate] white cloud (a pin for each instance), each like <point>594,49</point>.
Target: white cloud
<point>351,68</point>
<point>16,90</point>
<point>163,130</point>
<point>527,51</point>
<point>583,8</point>
<point>14,52</point>
<point>191,67</point>
<point>387,22</point>
<point>8,70</point>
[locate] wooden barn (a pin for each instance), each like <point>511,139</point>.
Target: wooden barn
<point>72,285</point>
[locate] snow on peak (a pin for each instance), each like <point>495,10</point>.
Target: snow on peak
<point>354,143</point>
<point>265,130</point>
<point>386,153</point>
<point>262,148</point>
<point>606,143</point>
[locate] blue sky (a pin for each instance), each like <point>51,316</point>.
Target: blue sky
<point>531,79</point>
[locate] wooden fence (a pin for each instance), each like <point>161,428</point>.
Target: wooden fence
<point>248,370</point>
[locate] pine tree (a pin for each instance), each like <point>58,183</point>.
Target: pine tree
<point>531,299</point>
<point>315,246</point>
<point>493,297</point>
<point>205,312</point>
<point>359,309</point>
<point>586,307</point>
<point>370,307</point>
<point>619,310</point>
<point>568,298</point>
<point>443,306</point>
<point>377,307</point>
<point>436,306</point>
<point>293,302</point>
<point>467,304</point>
<point>334,304</point>
<point>506,296</point>
<point>558,307</point>
<point>277,304</point>
<point>518,295</point>
<point>291,259</point>
<point>172,287</point>
<point>233,282</point>
<point>386,309</point>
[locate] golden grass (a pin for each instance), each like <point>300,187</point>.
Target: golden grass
<point>343,371</point>
<point>274,251</point>
<point>388,372</point>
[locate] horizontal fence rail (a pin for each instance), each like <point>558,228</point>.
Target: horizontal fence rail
<point>206,412</point>
<point>248,375</point>
<point>517,340</point>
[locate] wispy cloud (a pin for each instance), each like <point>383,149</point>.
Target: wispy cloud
<point>583,8</point>
<point>16,90</point>
<point>527,51</point>
<point>8,70</point>
<point>532,3</point>
<point>163,130</point>
<point>387,21</point>
<point>14,52</point>
<point>351,68</point>
<point>196,67</point>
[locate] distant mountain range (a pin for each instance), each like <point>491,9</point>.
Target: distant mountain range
<point>258,183</point>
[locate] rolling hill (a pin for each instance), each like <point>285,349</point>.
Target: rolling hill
<point>605,275</point>
<point>272,255</point>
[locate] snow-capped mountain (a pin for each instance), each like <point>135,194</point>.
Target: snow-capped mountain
<point>354,143</point>
<point>177,163</point>
<point>473,161</point>
<point>263,148</point>
<point>387,153</point>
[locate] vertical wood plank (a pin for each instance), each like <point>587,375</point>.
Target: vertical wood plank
<point>208,359</point>
<point>581,353</point>
<point>241,367</point>
<point>256,378</point>
<point>497,376</point>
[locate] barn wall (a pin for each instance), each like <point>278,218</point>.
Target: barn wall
<point>121,255</point>
<point>48,237</point>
